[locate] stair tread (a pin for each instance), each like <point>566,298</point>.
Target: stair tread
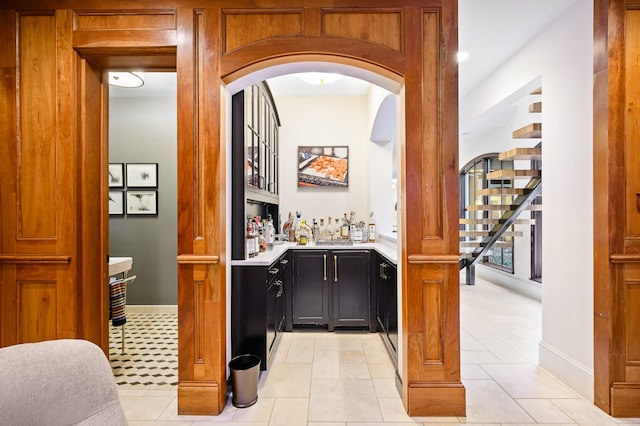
<point>478,244</point>
<point>502,191</point>
<point>486,233</point>
<point>537,91</point>
<point>535,107</point>
<point>521,154</point>
<point>533,130</point>
<point>513,174</point>
<point>489,221</point>
<point>501,207</point>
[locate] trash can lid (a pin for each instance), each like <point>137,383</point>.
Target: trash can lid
<point>244,362</point>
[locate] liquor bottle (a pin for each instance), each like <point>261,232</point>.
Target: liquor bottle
<point>337,230</point>
<point>357,233</point>
<point>270,233</point>
<point>372,228</point>
<point>297,227</point>
<point>250,239</point>
<point>262,244</point>
<point>287,228</point>
<point>365,231</point>
<point>304,232</point>
<point>323,231</point>
<point>316,232</point>
<point>329,230</point>
<point>345,228</point>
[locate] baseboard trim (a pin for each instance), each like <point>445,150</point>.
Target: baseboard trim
<point>152,309</point>
<point>574,374</point>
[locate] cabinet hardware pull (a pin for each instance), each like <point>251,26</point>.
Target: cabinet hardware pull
<point>335,268</point>
<point>284,261</point>
<point>325,266</point>
<point>274,271</point>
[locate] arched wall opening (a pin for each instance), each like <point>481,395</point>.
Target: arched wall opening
<point>377,76</point>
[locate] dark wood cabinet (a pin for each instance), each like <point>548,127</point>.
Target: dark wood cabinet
<point>258,308</point>
<point>331,288</point>
<point>386,288</point>
<point>351,288</point>
<point>254,161</point>
<point>311,287</point>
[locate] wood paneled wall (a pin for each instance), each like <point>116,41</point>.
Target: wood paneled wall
<point>617,207</point>
<point>53,189</point>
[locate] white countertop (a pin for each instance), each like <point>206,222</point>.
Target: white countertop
<point>268,257</point>
<point>118,265</point>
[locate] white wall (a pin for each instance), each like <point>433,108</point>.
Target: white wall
<point>563,56</point>
<point>323,121</point>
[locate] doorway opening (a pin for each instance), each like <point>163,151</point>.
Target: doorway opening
<point>143,229</point>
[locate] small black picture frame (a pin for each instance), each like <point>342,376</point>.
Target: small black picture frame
<point>142,175</point>
<point>142,203</point>
<point>116,175</point>
<point>116,203</point>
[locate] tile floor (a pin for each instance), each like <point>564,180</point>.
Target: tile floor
<point>347,379</point>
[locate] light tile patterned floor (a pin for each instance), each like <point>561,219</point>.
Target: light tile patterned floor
<point>347,379</point>
<point>150,360</point>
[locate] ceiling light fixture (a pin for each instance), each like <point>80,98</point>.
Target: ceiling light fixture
<point>126,79</point>
<point>319,78</point>
<point>462,56</point>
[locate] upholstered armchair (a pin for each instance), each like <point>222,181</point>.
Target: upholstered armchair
<point>58,382</point>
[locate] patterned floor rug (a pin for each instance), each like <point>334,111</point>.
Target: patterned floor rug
<point>150,358</point>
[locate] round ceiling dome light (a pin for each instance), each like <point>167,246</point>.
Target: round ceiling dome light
<point>319,78</point>
<point>462,56</point>
<point>126,79</point>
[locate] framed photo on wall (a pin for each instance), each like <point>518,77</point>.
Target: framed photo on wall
<point>142,203</point>
<point>116,203</point>
<point>142,175</point>
<point>323,166</point>
<point>116,175</point>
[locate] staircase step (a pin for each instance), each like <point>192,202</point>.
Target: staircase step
<point>521,154</point>
<point>486,234</point>
<point>535,107</point>
<point>479,244</point>
<point>533,130</point>
<point>513,174</point>
<point>488,221</point>
<point>538,91</point>
<point>501,207</point>
<point>502,191</point>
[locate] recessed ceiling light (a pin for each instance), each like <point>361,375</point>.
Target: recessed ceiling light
<point>126,79</point>
<point>319,78</point>
<point>462,56</point>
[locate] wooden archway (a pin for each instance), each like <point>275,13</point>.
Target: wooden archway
<point>413,43</point>
<point>52,114</point>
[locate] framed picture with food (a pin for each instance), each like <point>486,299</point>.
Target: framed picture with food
<point>324,166</point>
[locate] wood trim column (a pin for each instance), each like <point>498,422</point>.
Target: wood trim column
<point>430,279</point>
<point>201,182</point>
<point>616,95</point>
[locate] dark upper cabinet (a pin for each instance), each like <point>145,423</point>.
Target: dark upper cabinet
<point>255,156</point>
<point>331,288</point>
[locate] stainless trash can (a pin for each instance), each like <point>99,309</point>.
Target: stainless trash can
<point>245,371</point>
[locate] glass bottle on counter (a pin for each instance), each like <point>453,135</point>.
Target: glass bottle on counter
<point>357,233</point>
<point>304,232</point>
<point>250,239</point>
<point>316,232</point>
<point>269,232</point>
<point>286,227</point>
<point>329,230</point>
<point>298,224</point>
<point>372,228</point>
<point>323,231</point>
<point>337,230</point>
<point>345,228</point>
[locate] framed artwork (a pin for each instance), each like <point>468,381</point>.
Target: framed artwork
<point>116,203</point>
<point>324,166</point>
<point>116,175</point>
<point>142,203</point>
<point>142,175</point>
